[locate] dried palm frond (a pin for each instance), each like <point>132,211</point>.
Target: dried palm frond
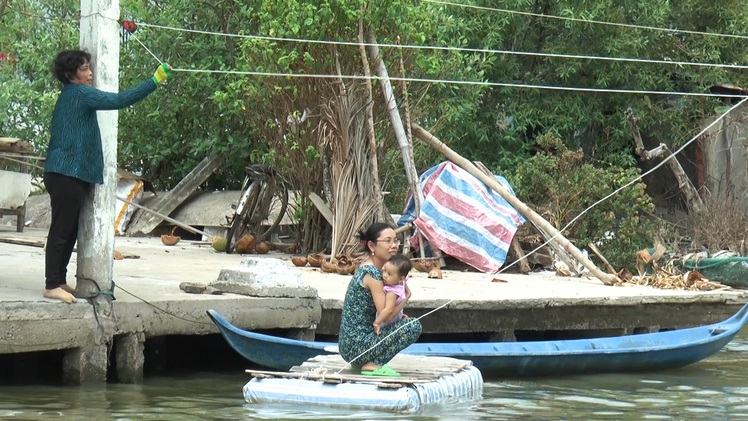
<point>669,277</point>
<point>342,131</point>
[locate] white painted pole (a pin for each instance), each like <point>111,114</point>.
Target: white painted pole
<point>99,35</point>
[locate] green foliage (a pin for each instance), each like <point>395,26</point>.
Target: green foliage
<point>595,121</point>
<point>246,116</point>
<point>560,186</point>
<point>31,33</point>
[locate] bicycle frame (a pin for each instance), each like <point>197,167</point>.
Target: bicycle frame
<point>259,188</point>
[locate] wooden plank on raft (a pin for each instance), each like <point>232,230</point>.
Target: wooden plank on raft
<point>144,223</point>
<point>333,369</point>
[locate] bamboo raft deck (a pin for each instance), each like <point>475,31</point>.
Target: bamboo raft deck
<point>323,381</point>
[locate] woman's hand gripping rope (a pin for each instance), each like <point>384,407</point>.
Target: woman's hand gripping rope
<point>162,73</point>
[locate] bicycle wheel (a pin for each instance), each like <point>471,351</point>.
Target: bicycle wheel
<point>274,209</point>
<point>242,215</point>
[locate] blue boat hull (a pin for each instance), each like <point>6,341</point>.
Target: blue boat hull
<point>631,353</point>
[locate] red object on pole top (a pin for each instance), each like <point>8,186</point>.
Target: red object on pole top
<point>129,26</point>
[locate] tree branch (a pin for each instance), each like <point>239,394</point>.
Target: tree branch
<point>695,204</point>
<point>3,5</point>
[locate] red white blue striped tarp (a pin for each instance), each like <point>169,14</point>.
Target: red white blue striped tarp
<point>464,218</point>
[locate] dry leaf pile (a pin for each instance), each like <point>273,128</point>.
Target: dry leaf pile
<point>669,277</point>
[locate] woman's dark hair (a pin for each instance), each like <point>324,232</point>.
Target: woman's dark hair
<point>67,63</point>
<point>401,263</point>
<point>371,233</point>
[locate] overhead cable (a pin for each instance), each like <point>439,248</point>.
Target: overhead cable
<point>580,20</point>
<point>448,48</point>
<point>460,82</point>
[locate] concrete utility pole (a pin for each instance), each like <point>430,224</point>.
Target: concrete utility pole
<point>99,35</point>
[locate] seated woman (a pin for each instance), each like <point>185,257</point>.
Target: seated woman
<point>363,299</point>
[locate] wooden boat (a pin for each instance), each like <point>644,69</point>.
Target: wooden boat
<point>630,353</point>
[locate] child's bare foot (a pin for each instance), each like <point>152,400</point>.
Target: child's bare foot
<point>68,288</point>
<point>59,294</point>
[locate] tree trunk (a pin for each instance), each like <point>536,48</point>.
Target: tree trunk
<point>381,212</point>
<point>397,123</point>
<point>402,138</point>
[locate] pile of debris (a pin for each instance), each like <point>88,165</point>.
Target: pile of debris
<point>666,276</point>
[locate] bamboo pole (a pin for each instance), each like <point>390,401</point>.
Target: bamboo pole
<point>165,218</point>
<point>402,138</point>
<point>525,210</point>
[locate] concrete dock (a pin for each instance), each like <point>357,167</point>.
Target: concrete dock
<point>149,304</point>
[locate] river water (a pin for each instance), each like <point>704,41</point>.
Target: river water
<point>714,389</point>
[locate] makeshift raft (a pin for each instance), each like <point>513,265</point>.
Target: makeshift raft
<point>425,382</point>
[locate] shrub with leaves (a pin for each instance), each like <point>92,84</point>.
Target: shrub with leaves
<point>560,185</point>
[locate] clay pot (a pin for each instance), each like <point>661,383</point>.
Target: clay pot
<point>344,265</point>
<point>424,265</point>
<point>299,260</point>
<point>359,260</point>
<point>316,259</point>
<point>170,239</point>
<point>262,248</point>
<point>245,244</point>
<point>328,267</point>
<point>345,270</point>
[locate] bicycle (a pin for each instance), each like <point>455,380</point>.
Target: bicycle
<point>261,188</point>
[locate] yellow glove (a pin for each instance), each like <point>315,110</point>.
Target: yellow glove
<point>162,73</point>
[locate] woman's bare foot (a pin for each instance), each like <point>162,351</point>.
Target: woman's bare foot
<point>68,288</point>
<point>59,294</point>
<point>370,367</point>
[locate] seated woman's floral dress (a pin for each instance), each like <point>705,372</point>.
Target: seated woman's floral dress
<point>357,337</point>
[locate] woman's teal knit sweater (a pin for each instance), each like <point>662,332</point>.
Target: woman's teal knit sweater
<point>75,146</point>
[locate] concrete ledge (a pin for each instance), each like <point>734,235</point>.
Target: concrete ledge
<point>190,317</point>
<point>523,303</point>
<point>263,277</point>
<point>42,326</point>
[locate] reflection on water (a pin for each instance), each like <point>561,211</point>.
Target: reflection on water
<point>197,397</point>
<point>716,388</point>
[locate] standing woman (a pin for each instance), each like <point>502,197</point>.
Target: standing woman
<point>364,297</point>
<point>75,160</point>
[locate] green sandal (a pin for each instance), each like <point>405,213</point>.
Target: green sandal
<point>382,371</point>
